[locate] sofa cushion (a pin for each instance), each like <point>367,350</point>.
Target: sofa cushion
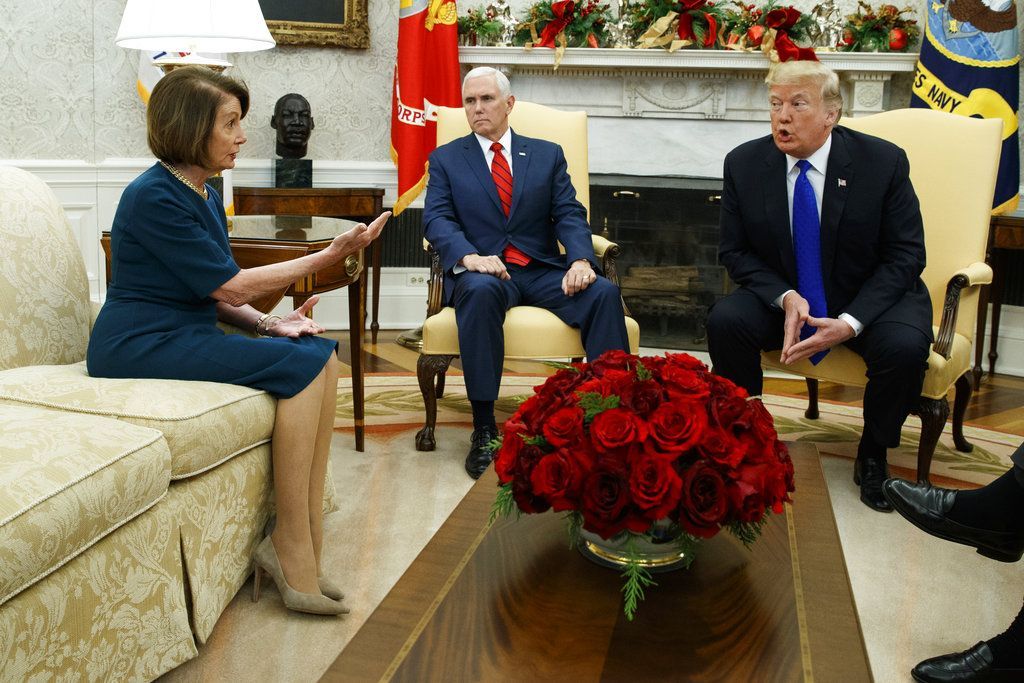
<point>66,481</point>
<point>44,291</point>
<point>205,423</point>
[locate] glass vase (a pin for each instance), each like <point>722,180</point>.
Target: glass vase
<point>656,550</point>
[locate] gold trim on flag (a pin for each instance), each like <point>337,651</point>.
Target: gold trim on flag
<point>985,102</point>
<point>998,63</point>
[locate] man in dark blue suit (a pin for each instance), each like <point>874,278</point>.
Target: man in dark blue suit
<point>822,231</point>
<point>498,204</point>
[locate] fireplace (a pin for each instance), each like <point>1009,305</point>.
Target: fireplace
<point>668,269</point>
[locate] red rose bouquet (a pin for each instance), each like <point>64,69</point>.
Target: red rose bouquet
<point>631,446</point>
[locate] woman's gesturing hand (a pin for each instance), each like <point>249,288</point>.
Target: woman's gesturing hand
<point>359,237</point>
<point>297,323</point>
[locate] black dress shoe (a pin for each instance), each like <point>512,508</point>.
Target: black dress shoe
<point>926,506</point>
<point>480,456</point>
<point>976,664</point>
<point>870,474</point>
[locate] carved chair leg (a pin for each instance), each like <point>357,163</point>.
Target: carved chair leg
<point>963,396</point>
<point>812,399</point>
<point>427,369</point>
<point>933,413</point>
<point>440,383</point>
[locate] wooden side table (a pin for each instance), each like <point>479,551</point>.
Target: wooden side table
<point>1006,234</point>
<point>355,203</point>
<point>263,240</point>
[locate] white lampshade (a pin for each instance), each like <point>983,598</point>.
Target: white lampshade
<point>194,26</point>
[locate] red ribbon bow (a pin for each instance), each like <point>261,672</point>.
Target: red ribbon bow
<point>562,12</point>
<point>788,50</point>
<point>686,32</point>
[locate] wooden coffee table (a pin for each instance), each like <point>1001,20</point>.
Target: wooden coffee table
<point>512,602</point>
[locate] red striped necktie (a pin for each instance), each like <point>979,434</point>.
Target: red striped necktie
<point>502,176</point>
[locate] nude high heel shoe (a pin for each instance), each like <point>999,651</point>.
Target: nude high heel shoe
<point>329,589</point>
<point>326,587</point>
<point>266,562</point>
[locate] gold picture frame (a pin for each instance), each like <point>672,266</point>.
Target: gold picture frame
<point>338,23</point>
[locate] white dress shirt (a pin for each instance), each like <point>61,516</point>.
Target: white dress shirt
<point>506,143</point>
<point>816,176</point>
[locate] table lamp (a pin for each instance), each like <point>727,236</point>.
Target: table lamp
<point>194,26</point>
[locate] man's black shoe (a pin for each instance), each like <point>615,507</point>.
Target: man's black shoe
<point>869,474</point>
<point>479,456</point>
<point>926,507</point>
<point>976,664</point>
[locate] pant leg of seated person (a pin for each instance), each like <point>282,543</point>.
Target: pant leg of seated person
<point>480,302</point>
<point>998,506</point>
<point>596,311</point>
<point>897,357</point>
<point>740,326</point>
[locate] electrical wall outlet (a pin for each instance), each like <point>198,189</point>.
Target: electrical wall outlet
<point>414,280</point>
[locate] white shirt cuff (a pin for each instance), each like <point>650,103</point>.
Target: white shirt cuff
<point>778,302</point>
<point>853,322</point>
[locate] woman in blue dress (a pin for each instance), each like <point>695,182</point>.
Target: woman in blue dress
<point>173,278</point>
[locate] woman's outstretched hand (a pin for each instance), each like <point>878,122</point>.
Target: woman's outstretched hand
<point>297,323</point>
<point>359,237</point>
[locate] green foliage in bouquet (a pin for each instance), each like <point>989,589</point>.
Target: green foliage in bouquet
<point>885,29</point>
<point>478,26</point>
<point>582,24</point>
<point>746,25</point>
<point>640,15</point>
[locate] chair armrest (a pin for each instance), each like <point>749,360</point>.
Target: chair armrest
<point>977,273</point>
<point>435,285</point>
<point>607,251</point>
<point>974,275</point>
<point>602,245</point>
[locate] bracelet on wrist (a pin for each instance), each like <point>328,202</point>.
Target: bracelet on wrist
<point>263,327</point>
<point>258,327</point>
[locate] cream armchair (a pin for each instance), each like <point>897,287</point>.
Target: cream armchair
<point>953,161</point>
<point>530,332</point>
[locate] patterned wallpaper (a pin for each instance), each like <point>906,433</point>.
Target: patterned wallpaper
<point>67,92</point>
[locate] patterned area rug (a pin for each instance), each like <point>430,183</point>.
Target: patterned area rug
<point>395,399</point>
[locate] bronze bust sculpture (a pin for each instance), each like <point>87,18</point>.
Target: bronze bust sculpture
<point>294,122</point>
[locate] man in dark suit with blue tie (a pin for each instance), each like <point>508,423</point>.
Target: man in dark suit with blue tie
<point>822,231</point>
<point>498,204</point>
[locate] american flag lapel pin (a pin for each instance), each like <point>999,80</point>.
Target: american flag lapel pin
<point>842,182</point>
<point>522,154</point>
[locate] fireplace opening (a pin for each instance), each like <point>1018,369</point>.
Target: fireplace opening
<point>667,228</point>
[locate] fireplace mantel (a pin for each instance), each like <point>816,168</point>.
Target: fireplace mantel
<point>658,113</point>
<point>682,60</point>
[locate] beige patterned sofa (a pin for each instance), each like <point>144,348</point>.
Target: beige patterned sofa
<point>129,509</point>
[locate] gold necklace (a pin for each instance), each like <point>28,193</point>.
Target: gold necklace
<point>181,176</point>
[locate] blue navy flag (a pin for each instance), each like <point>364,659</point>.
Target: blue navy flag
<point>968,66</point>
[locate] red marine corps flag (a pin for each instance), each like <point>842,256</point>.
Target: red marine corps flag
<point>426,77</point>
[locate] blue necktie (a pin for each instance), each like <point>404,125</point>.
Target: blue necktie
<point>807,248</point>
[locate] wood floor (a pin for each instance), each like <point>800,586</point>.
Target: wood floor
<point>998,404</point>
